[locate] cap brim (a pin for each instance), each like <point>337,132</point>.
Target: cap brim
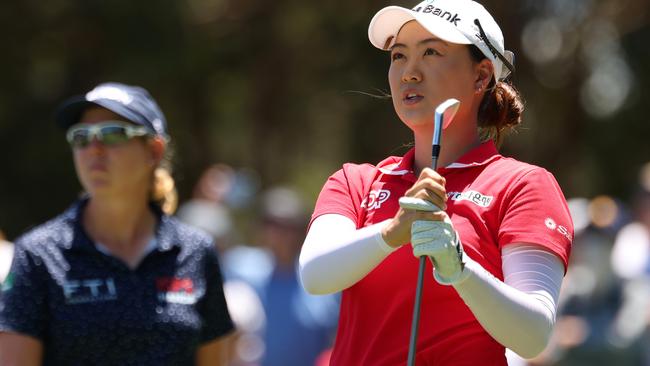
<point>385,25</point>
<point>70,111</point>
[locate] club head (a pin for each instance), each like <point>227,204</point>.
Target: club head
<point>447,110</point>
<point>445,113</point>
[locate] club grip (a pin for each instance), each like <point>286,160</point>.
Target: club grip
<point>435,150</point>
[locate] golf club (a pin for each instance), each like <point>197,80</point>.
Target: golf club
<point>445,112</point>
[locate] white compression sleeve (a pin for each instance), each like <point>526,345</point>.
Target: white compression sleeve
<point>335,255</point>
<point>519,312</point>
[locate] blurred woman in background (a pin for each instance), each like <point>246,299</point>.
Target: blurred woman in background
<point>114,280</point>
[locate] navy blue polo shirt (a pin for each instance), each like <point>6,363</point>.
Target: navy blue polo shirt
<point>88,307</point>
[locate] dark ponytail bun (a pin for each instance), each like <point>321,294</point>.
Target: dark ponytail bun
<point>500,111</point>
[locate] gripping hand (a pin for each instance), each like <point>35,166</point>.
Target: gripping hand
<point>437,240</point>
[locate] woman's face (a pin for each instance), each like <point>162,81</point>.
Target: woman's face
<point>114,170</point>
<point>424,72</point>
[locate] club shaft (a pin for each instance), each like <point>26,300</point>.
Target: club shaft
<point>415,324</point>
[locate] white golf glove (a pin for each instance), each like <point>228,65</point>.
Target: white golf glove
<point>438,240</point>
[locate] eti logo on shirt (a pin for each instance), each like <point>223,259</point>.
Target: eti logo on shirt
<point>375,199</point>
<point>89,290</point>
<point>176,290</point>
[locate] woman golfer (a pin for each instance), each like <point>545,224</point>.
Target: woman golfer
<point>498,248</point>
<point>114,280</point>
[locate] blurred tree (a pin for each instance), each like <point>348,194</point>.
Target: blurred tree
<point>281,87</point>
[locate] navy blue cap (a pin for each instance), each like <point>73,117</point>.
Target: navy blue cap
<point>131,102</point>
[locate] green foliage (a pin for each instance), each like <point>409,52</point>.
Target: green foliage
<point>279,87</point>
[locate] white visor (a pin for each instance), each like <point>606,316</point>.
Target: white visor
<point>453,21</point>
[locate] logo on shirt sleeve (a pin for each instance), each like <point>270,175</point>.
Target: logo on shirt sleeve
<point>176,290</point>
<point>552,225</point>
<point>8,282</point>
<point>375,198</point>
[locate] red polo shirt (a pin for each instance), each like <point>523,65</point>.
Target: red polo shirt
<point>493,201</point>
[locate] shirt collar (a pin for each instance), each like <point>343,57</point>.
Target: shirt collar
<point>403,166</point>
<point>166,234</point>
<point>480,155</point>
<point>398,165</point>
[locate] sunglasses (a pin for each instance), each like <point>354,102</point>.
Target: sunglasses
<point>109,133</point>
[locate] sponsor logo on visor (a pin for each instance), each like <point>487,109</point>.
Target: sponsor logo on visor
<point>430,9</point>
<point>109,92</point>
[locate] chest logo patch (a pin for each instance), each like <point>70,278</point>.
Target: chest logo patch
<point>176,290</point>
<point>89,290</point>
<point>375,198</point>
<point>474,197</point>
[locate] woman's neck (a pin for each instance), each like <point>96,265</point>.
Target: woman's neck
<point>121,225</point>
<point>454,144</point>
